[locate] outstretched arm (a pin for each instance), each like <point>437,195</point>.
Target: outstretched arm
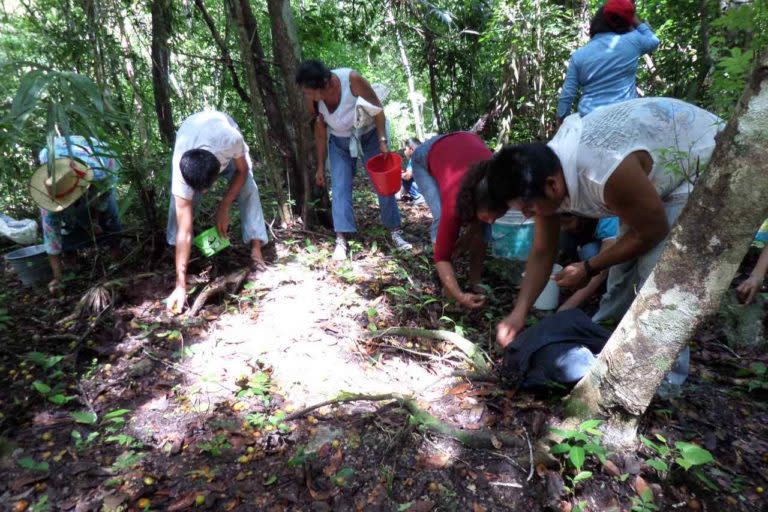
<point>184,211</point>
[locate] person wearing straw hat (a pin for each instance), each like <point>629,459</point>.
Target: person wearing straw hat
<point>77,199</point>
<point>208,145</point>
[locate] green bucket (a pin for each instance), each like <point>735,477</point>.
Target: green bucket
<point>210,242</point>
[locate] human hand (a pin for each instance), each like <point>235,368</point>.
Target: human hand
<point>573,276</point>
<point>508,328</point>
<point>383,147</point>
<point>55,287</point>
<point>175,301</point>
<point>472,300</point>
<point>222,219</point>
<point>320,177</point>
<point>407,175</point>
<point>748,289</point>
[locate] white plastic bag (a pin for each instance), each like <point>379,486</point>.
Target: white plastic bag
<point>23,232</point>
<point>365,111</point>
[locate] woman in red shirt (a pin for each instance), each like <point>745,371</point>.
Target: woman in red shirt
<point>441,167</point>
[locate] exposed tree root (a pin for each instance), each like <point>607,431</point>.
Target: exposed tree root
<point>481,439</point>
<point>100,297</point>
<point>477,357</point>
<point>233,281</point>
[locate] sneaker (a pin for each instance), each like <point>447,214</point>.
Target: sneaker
<point>401,244</point>
<point>340,252</point>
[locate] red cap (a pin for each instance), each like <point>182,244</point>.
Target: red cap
<point>623,10</point>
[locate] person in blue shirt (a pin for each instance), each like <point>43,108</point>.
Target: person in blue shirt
<point>410,190</point>
<point>582,239</point>
<point>605,69</point>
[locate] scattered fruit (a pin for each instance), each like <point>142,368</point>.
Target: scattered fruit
<point>200,500</point>
<point>143,503</point>
<point>20,506</point>
<point>47,436</point>
<point>148,480</point>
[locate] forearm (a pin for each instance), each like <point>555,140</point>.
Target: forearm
<point>55,261</point>
<point>538,270</point>
<point>238,180</point>
<point>477,255</point>
<point>762,265</point>
<point>627,247</point>
<point>381,125</point>
<point>448,279</point>
<point>183,250</point>
<point>581,295</point>
<point>321,145</point>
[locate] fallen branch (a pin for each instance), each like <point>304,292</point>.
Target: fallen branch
<point>233,281</point>
<point>478,358</point>
<point>481,439</point>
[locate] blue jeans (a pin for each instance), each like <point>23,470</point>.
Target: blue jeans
<point>343,167</point>
<point>429,188</point>
<point>248,201</point>
<point>410,187</point>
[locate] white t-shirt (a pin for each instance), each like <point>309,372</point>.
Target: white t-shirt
<point>680,138</point>
<point>341,121</point>
<point>210,130</point>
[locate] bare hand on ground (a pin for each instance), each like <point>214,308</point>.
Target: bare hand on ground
<point>509,328</point>
<point>748,289</point>
<point>472,300</point>
<point>222,220</point>
<point>175,301</point>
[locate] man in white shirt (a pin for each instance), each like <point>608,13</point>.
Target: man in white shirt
<point>209,144</point>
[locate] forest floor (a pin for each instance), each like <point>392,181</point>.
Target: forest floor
<point>128,408</point>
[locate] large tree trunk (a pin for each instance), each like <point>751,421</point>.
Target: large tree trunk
<point>162,15</point>
<point>413,96</point>
<point>265,103</point>
<point>701,258</point>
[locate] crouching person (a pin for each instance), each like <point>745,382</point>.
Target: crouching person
<point>78,203</point>
<point>209,144</point>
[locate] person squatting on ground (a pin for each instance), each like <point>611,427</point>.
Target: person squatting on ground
<point>78,203</point>
<point>581,239</point>
<point>636,160</point>
<point>441,166</point>
<point>605,68</point>
<point>410,190</point>
<point>209,144</point>
<point>331,97</point>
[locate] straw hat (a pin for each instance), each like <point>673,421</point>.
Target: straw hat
<point>71,179</point>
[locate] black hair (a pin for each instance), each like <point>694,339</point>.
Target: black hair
<point>313,74</point>
<point>520,172</point>
<point>199,168</point>
<point>474,194</point>
<point>602,24</point>
<point>412,142</point>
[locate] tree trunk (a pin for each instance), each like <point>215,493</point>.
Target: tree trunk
<point>413,96</point>
<point>701,258</point>
<point>162,16</point>
<point>429,39</point>
<point>265,103</point>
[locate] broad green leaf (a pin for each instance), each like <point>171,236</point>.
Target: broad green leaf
<point>565,434</point>
<point>577,457</point>
<point>60,399</point>
<point>84,417</point>
<point>694,454</point>
<point>115,414</point>
<point>581,476</point>
<point>658,465</point>
<point>590,425</point>
<point>32,464</point>
<point>41,387</point>
<point>271,479</point>
<point>683,463</point>
<point>560,449</point>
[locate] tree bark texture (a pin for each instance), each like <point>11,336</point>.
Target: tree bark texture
<point>286,49</point>
<point>266,105</point>
<point>703,254</point>
<point>162,16</point>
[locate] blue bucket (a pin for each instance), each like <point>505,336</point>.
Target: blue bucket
<point>512,236</point>
<point>31,264</point>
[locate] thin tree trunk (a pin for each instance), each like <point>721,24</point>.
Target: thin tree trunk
<point>224,49</point>
<point>701,258</point>
<point>285,47</point>
<point>162,16</point>
<point>265,102</point>
<point>429,39</point>
<point>90,8</point>
<point>413,96</point>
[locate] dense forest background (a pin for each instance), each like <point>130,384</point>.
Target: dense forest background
<point>130,72</point>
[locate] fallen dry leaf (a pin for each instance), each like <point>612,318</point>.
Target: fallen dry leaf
<point>641,486</point>
<point>433,461</point>
<point>184,502</point>
<point>421,506</point>
<point>461,388</point>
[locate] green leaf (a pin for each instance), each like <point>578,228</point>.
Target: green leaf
<point>758,368</point>
<point>694,454</point>
<point>565,434</point>
<point>590,425</point>
<point>404,506</point>
<point>560,448</point>
<point>342,477</point>
<point>581,476</point>
<point>683,463</point>
<point>661,438</point>
<point>577,457</point>
<point>658,465</point>
<point>116,414</point>
<point>41,387</point>
<point>84,417</point>
<point>60,399</point>
<point>271,479</point>
<point>32,464</point>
